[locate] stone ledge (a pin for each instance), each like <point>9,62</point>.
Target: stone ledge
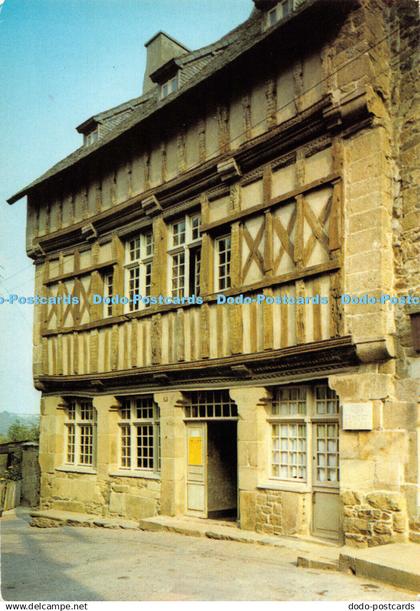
<point>396,564</point>
<point>313,562</point>
<point>53,518</point>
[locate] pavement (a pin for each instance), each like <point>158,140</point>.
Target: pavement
<point>123,563</point>
<point>397,564</point>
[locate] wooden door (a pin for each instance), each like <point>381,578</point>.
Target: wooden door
<point>197,469</point>
<point>326,504</point>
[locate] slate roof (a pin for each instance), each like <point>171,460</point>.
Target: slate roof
<point>196,66</point>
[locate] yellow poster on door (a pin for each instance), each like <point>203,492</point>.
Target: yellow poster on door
<point>195,451</point>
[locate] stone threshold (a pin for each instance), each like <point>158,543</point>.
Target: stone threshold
<point>395,564</point>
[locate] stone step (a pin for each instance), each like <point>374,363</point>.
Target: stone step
<point>311,561</point>
<point>396,564</point>
<point>53,518</point>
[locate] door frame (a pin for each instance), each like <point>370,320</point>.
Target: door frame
<point>193,477</point>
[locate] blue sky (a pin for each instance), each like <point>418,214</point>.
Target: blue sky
<point>61,62</point>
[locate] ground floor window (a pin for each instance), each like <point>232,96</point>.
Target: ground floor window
<point>80,433</point>
<point>139,434</point>
<point>304,434</point>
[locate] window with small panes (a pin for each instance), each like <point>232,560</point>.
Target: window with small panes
<point>80,425</point>
<point>138,269</point>
<point>304,424</point>
<point>185,256</point>
<point>139,434</point>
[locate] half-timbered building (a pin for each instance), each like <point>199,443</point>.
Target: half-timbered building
<point>223,214</point>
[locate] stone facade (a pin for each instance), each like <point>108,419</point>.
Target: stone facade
<point>375,518</point>
<point>306,173</point>
<point>280,513</point>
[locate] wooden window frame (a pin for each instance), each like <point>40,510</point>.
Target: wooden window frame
<point>80,421</point>
<point>139,261</point>
<point>108,280</point>
<point>169,86</point>
<point>311,419</point>
<point>130,424</point>
<point>227,275</point>
<point>187,245</point>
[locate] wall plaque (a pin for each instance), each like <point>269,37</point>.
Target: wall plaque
<point>358,416</point>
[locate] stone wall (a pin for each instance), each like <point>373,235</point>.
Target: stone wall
<point>282,513</point>
<point>127,497</point>
<point>375,518</point>
<point>30,475</point>
<point>134,498</point>
<point>101,490</point>
<point>406,234</point>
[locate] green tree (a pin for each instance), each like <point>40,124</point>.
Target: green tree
<point>23,432</point>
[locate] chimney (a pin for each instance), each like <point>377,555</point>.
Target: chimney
<point>160,49</point>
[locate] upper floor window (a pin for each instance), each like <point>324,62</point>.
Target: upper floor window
<point>281,10</point>
<point>185,256</point>
<point>139,434</point>
<point>80,433</point>
<point>138,269</point>
<point>168,87</point>
<point>108,293</point>
<point>91,137</point>
<point>222,262</point>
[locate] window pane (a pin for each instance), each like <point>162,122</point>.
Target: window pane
<point>145,446</point>
<point>148,279</point>
<point>195,226</point>
<point>148,244</point>
<point>327,452</point>
<point>211,404</point>
<point>108,291</point>
<point>178,233</point>
<point>71,411</point>
<point>289,401</point>
<point>133,286</point>
<point>70,443</point>
<point>86,410</point>
<point>79,441</point>
<point>134,249</point>
<point>86,444</point>
<point>178,274</point>
<point>125,410</point>
<point>292,440</point>
<point>224,252</point>
<point>144,408</point>
<point>327,401</point>
<point>195,264</point>
<point>125,446</point>
<point>272,16</point>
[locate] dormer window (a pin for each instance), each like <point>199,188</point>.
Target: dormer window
<point>280,11</point>
<point>169,86</point>
<point>91,137</point>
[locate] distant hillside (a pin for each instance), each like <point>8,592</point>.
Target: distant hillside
<point>8,418</point>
